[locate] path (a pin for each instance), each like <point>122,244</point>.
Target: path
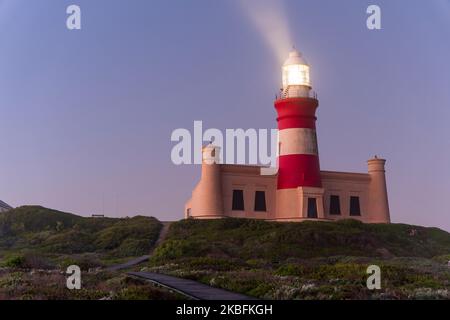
<point>134,262</point>
<point>190,288</point>
<point>162,233</point>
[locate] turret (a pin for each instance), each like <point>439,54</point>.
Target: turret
<point>378,196</point>
<point>207,196</point>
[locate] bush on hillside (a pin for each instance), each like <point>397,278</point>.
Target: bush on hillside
<point>26,261</point>
<point>48,231</point>
<point>277,242</point>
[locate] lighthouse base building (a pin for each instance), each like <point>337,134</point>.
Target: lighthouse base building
<point>240,191</point>
<point>299,190</point>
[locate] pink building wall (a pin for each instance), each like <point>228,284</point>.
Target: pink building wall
<point>212,197</point>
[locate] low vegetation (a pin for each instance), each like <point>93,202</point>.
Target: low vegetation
<point>40,237</point>
<point>38,244</point>
<point>309,260</point>
<point>51,285</point>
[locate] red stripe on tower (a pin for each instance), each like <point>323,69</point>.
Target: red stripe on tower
<point>298,151</point>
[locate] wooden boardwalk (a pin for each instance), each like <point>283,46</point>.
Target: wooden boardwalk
<point>129,264</point>
<point>193,289</point>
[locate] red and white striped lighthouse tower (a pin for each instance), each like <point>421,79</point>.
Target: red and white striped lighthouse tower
<point>299,190</point>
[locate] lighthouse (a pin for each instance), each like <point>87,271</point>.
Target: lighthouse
<point>299,185</point>
<point>299,190</point>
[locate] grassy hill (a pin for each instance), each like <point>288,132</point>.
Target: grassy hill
<point>32,230</point>
<point>309,260</point>
<point>250,239</point>
<point>37,244</point>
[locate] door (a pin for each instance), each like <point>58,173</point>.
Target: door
<point>312,208</point>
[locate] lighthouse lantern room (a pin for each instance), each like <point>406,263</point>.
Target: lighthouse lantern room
<point>296,76</point>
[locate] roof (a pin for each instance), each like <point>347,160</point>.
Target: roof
<point>295,57</point>
<point>4,206</point>
<point>254,170</point>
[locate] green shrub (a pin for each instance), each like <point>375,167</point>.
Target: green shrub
<point>173,249</point>
<point>133,247</point>
<point>261,290</point>
<point>290,270</point>
<point>16,261</point>
<point>253,283</point>
<point>27,261</point>
<point>348,271</point>
<point>85,262</point>
<point>145,293</point>
<point>442,258</point>
<point>212,263</point>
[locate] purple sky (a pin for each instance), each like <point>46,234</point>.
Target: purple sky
<point>86,116</point>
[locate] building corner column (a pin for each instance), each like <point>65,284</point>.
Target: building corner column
<point>378,195</point>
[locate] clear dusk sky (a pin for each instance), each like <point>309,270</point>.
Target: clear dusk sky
<point>86,116</point>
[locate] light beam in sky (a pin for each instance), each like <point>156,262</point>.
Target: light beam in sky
<point>270,20</point>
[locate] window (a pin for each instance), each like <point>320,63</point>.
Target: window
<point>260,201</point>
<point>188,212</point>
<point>238,200</point>
<point>312,208</point>
<point>355,209</point>
<point>335,205</point>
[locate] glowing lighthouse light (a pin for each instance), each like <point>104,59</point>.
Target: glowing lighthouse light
<point>296,79</point>
<point>296,75</point>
